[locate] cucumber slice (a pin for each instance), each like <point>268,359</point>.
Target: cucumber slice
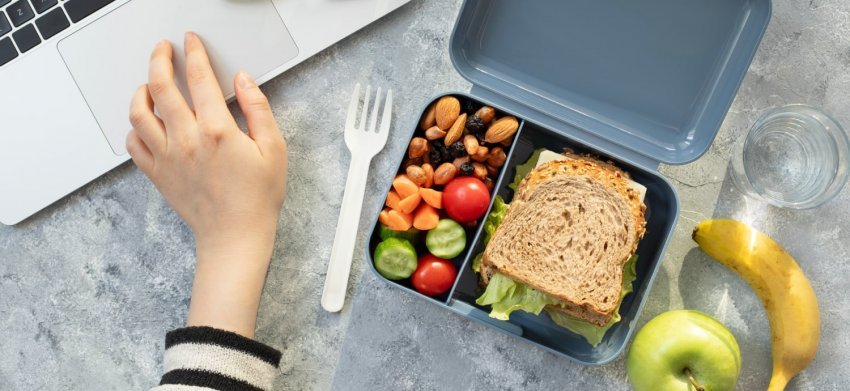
<point>409,235</point>
<point>395,259</point>
<point>446,241</point>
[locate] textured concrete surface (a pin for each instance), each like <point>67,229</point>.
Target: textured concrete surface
<point>89,286</point>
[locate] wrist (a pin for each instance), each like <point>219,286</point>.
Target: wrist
<point>229,277</point>
<point>235,247</point>
<point>227,298</point>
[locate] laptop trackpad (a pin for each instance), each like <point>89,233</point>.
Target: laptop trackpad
<point>109,58</point>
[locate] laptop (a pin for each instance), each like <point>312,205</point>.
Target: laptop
<point>68,69</point>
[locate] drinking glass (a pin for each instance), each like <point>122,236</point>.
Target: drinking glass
<point>793,157</point>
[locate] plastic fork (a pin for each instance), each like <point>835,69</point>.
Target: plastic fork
<point>364,143</point>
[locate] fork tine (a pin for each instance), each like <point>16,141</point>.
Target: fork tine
<point>387,117</point>
<point>352,107</point>
<point>373,120</point>
<point>362,124</point>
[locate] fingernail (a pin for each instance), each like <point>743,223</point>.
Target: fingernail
<point>245,81</point>
<point>191,35</point>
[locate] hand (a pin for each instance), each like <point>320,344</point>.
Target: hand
<point>227,185</point>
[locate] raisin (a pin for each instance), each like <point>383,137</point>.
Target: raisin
<point>457,149</point>
<point>440,147</point>
<point>469,107</point>
<point>475,124</point>
<point>436,156</point>
<point>467,169</point>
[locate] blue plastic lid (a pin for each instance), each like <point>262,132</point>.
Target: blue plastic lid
<point>652,77</point>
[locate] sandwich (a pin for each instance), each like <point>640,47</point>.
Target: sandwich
<point>566,243</point>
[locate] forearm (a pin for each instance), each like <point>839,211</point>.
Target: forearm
<point>229,280</point>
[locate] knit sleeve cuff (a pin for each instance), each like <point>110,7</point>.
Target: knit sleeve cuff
<point>204,358</point>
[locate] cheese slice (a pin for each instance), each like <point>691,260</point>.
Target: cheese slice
<point>547,156</point>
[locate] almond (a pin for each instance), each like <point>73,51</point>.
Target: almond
<point>481,155</point>
<point>429,175</point>
<point>503,129</point>
<point>480,170</point>
<point>496,157</point>
<point>417,175</point>
<point>444,174</point>
<point>471,144</point>
<point>456,131</point>
<point>434,133</point>
<point>429,119</point>
<point>418,148</point>
<point>447,111</point>
<point>486,114</point>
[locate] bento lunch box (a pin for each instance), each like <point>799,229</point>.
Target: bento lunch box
<point>637,83</point>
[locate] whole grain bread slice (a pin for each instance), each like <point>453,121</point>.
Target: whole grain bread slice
<point>569,230</point>
<point>592,167</point>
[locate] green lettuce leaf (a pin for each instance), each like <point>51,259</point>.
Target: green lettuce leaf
<point>523,169</point>
<point>505,296</point>
<point>593,333</point>
<point>494,219</point>
<point>476,262</point>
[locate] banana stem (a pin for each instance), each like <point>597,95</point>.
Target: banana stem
<point>693,380</point>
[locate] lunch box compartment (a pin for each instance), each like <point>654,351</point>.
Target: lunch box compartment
<point>471,234</point>
<point>637,83</point>
<point>662,205</point>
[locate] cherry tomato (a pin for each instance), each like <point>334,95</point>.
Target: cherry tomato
<point>434,276</point>
<point>466,199</point>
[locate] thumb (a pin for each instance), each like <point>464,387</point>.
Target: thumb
<point>262,126</point>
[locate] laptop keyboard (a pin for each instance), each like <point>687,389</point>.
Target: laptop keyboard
<point>24,24</point>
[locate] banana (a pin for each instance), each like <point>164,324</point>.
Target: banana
<point>786,293</point>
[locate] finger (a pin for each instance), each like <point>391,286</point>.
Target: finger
<point>262,127</point>
<point>146,124</point>
<point>141,154</point>
<point>203,86</point>
<point>167,98</point>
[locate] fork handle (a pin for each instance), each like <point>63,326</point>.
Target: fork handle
<point>339,266</point>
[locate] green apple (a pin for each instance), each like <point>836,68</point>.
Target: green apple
<point>684,350</point>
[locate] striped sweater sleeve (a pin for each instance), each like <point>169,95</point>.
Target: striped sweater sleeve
<point>204,359</point>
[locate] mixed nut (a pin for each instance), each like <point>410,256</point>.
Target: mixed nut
<point>459,140</point>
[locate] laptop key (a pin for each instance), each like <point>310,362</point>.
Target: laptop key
<point>26,38</point>
<point>43,5</point>
<point>52,23</point>
<point>5,26</point>
<point>4,2</point>
<point>79,9</point>
<point>7,50</point>
<point>20,12</point>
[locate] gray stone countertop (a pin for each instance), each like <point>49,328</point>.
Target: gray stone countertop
<point>89,286</point>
